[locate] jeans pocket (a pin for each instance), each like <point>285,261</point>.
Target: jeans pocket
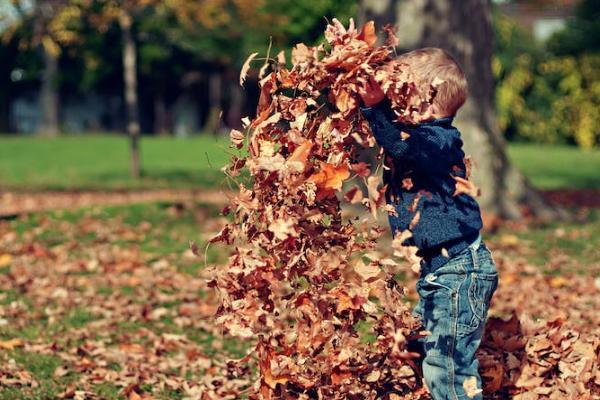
<point>427,289</point>
<point>473,312</point>
<point>480,293</point>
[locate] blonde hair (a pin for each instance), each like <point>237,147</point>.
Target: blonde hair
<point>430,63</point>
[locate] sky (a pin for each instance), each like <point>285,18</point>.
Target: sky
<point>8,12</point>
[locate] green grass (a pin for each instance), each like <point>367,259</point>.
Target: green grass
<point>102,162</point>
<point>171,232</point>
<point>578,242</point>
<point>557,167</point>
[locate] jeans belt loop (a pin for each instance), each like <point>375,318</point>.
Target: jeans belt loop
<point>473,247</point>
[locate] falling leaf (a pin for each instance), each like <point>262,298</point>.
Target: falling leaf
<point>415,220</point>
<point>470,387</point>
<point>300,154</point>
<point>282,228</point>
<point>330,176</point>
<point>436,82</point>
<point>367,34</point>
<point>367,271</point>
<point>237,138</point>
<point>246,68</point>
<point>407,183</point>
<point>463,186</point>
<point>5,259</point>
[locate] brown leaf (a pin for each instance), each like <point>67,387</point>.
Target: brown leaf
<point>367,34</point>
<point>330,176</point>
<point>464,186</point>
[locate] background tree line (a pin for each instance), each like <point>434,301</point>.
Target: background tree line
<point>547,92</point>
<point>151,53</point>
<point>154,50</point>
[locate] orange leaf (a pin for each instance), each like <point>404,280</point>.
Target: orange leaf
<point>131,348</point>
<point>330,176</point>
<point>301,153</point>
<point>272,381</point>
<point>339,377</point>
<point>10,344</point>
<point>134,396</point>
<point>367,34</point>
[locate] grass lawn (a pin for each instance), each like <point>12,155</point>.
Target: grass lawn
<point>102,162</point>
<point>557,167</point>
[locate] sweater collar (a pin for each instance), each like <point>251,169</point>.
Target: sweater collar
<point>437,122</point>
<point>441,122</point>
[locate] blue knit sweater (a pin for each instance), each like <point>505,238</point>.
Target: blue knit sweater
<point>429,156</point>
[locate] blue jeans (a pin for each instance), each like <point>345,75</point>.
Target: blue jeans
<point>453,306</point>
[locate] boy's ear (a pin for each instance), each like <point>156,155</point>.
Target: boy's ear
<point>434,110</point>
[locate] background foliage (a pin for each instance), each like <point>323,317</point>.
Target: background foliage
<point>546,92</point>
<point>549,93</point>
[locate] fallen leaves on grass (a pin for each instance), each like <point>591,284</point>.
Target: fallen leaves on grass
<point>100,312</point>
<point>83,312</point>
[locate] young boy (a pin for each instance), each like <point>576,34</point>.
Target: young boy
<point>458,275</point>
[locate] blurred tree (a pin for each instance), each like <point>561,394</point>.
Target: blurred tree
<point>548,96</point>
<point>464,29</point>
<point>223,32</point>
<point>8,51</point>
<point>50,24</point>
<point>124,13</point>
<point>582,34</point>
<point>220,34</point>
<point>127,14</point>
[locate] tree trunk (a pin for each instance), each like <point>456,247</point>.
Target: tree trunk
<point>131,98</point>
<point>160,115</point>
<point>236,102</point>
<point>49,97</point>
<point>464,29</point>
<point>214,102</point>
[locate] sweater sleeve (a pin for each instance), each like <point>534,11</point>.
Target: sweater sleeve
<point>386,131</point>
<point>429,148</point>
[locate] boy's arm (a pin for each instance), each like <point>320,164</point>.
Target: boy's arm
<point>376,109</point>
<point>429,153</point>
<point>386,132</point>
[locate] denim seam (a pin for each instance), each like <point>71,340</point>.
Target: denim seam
<point>450,355</point>
<point>453,336</point>
<point>472,300</point>
<point>467,262</point>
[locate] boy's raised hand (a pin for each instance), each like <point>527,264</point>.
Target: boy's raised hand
<point>371,93</point>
